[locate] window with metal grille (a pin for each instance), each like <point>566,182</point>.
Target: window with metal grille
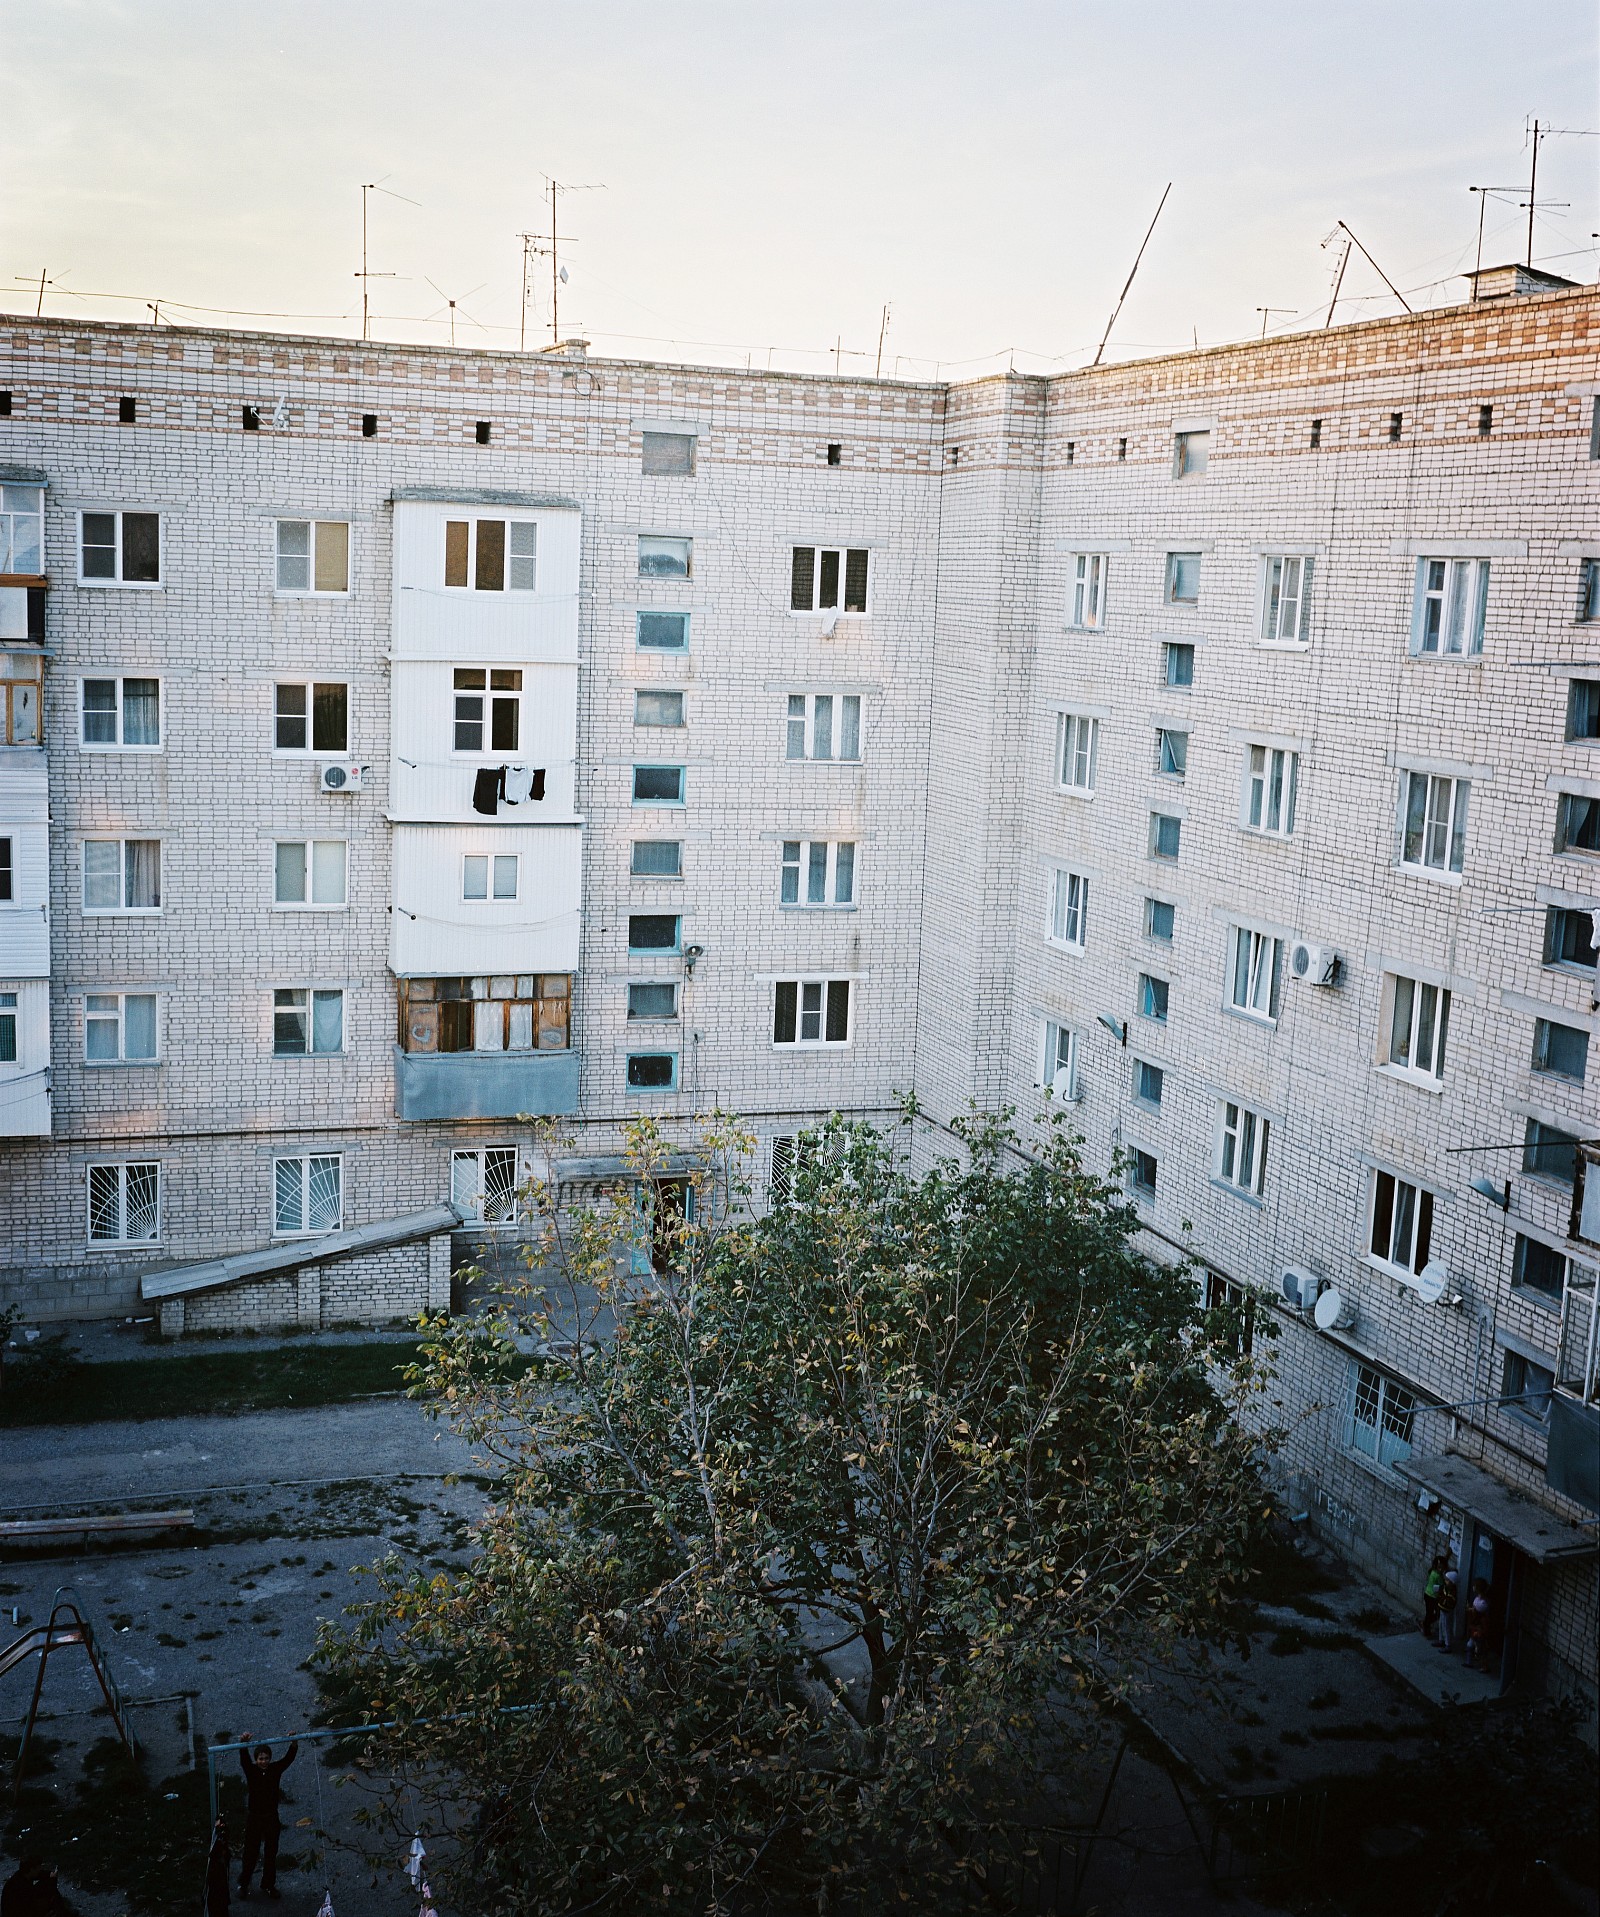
<point>124,1204</point>
<point>1381,1416</point>
<point>307,1195</point>
<point>483,1184</point>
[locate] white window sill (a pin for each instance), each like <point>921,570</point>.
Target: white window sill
<point>795,905</point>
<point>1251,1018</point>
<point>122,911</point>
<point>1085,792</point>
<point>1402,1274</point>
<point>812,1045</point>
<point>305,755</point>
<point>123,585</point>
<point>119,1064</point>
<point>1260,834</point>
<point>1418,1081</point>
<point>1431,873</point>
<point>1063,946</point>
<point>826,612</point>
<point>126,1244</point>
<point>1144,1105</point>
<point>1251,1198</point>
<point>1086,632</point>
<point>286,593</point>
<point>1445,658</point>
<point>303,1058</point>
<point>149,751</point>
<point>280,905</point>
<point>1283,645</point>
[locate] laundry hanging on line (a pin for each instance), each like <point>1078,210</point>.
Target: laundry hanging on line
<point>497,785</point>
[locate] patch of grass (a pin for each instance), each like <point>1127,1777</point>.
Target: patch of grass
<point>173,1385</point>
<point>1372,1620</point>
<point>1323,1700</point>
<point>1310,1607</point>
<point>1289,1642</point>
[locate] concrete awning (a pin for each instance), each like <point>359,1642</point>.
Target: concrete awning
<point>1536,1532</point>
<point>175,1280</point>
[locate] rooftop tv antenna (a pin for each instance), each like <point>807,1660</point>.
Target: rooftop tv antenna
<point>1351,240</point>
<point>372,186</point>
<point>1100,349</point>
<point>536,245</point>
<point>453,305</point>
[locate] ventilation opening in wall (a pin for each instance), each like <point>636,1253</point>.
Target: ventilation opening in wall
<point>252,419</point>
<point>369,425</point>
<point>127,410</point>
<point>1396,421</point>
<point>1122,448</point>
<point>1072,451</point>
<point>481,432</point>
<point>5,405</point>
<point>1485,421</point>
<point>835,452</point>
<point>1316,434</point>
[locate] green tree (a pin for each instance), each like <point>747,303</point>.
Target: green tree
<point>784,1567</point>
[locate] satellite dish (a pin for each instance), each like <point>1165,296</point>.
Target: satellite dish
<point>563,276</point>
<point>1433,1281</point>
<point>1331,1312</point>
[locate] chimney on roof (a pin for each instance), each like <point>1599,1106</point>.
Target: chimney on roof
<point>1510,282</point>
<point>568,349</point>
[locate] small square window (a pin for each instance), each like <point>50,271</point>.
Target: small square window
<point>1550,1153</point>
<point>657,859</point>
<point>1396,422</point>
<point>1527,1387</point>
<point>1536,1267</point>
<point>1179,662</point>
<point>1153,997</point>
<point>1183,578</point>
<point>1172,753</point>
<point>1569,938</point>
<point>652,1071</point>
<point>661,631</point>
<point>1316,434</point>
<point>670,455</point>
<point>1583,709</point>
<point>665,558</point>
<point>1142,1170</point>
<point>1122,447</point>
<point>657,999</point>
<point>1485,421</point>
<point>658,785</point>
<point>1165,835</point>
<point>653,931</point>
<point>1190,452</point>
<point>658,708</point>
<point>1148,1081</point>
<point>1562,1051</point>
<point>1159,919</point>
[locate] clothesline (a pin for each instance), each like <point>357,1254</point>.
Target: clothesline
<point>459,925</point>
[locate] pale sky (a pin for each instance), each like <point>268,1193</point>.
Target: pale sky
<point>773,174</point>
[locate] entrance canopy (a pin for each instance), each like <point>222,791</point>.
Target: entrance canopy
<point>1537,1533</point>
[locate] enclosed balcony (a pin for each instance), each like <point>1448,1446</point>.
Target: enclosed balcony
<point>492,1047</point>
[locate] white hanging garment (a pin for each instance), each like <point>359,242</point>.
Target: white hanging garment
<point>325,1908</point>
<point>414,1859</point>
<point>518,784</point>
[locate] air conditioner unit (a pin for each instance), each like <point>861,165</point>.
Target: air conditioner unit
<point>1300,1287</point>
<point>342,778</point>
<point>1317,964</point>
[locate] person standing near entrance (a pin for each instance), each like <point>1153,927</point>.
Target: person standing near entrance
<point>1433,1592</point>
<point>263,1784</point>
<point>1478,1625</point>
<point>1447,1610</point>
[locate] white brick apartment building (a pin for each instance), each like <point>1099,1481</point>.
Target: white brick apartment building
<point>401,739</point>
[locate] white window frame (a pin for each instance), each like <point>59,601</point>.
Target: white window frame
<point>472,1161</point>
<point>1241,1160</point>
<point>305,1161</point>
<point>823,985</point>
<point>314,530</point>
<point>122,909</point>
<point>488,696</point>
<point>493,864</point>
<point>311,993</point>
<point>1067,926</point>
<point>1388,1445</point>
<point>492,516</point>
<point>800,728</point>
<point>1450,608</point>
<point>1058,1060</point>
<point>309,904</point>
<point>11,549</point>
<point>804,867</point>
<point>1087,591</point>
<point>120,681</point>
<point>111,1009</point>
<point>843,555</point>
<point>1424,1008</point>
<point>1286,582</point>
<point>123,1170</point>
<point>310,750</point>
<point>1077,753</point>
<point>118,583</point>
<point>1271,788</point>
<point>685,540</point>
<point>1411,1217</point>
<point>1448,819</point>
<point>1255,970</point>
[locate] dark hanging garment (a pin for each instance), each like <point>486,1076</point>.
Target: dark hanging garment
<point>537,789</point>
<point>486,790</point>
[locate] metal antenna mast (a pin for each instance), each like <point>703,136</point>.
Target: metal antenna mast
<point>372,186</point>
<point>1100,349</point>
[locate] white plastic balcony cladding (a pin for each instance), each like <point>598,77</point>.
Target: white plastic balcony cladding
<point>24,816</point>
<point>432,621</point>
<point>437,934</point>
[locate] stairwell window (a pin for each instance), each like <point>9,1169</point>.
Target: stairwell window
<point>817,574</point>
<point>654,931</point>
<point>1569,938</point>
<point>1190,454</point>
<point>661,631</point>
<point>1549,1152</point>
<point>1183,579</point>
<point>1160,920</point>
<point>1088,596</point>
<point>1166,835</point>
<point>307,1022</point>
<point>1578,824</point>
<point>652,1000</point>
<point>1177,664</point>
<point>811,1012</point>
<point>817,872</point>
<point>1286,603</point>
<point>1242,1149</point>
<point>119,1028</point>
<point>652,1072</point>
<point>1077,753</point>
<point>823,725</point>
<point>483,1184</point>
<point>491,555</point>
<point>1526,1388</point>
<point>1058,1068</point>
<point>1583,709</point>
<point>125,1204</point>
<point>124,714</point>
<point>1416,1024</point>
<point>1401,1224</point>
<point>1451,600</point>
<point>658,709</point>
<point>1434,826</point>
<point>658,785</point>
<point>1560,1051</point>
<point>667,455</point>
<point>119,549</point>
<point>1272,777</point>
<point>1589,591</point>
<point>307,1196</point>
<point>121,875</point>
<point>309,874</point>
<point>664,556</point>
<point>1256,974</point>
<point>1143,1170</point>
<point>1538,1268</point>
<point>657,859</point>
<point>311,716</point>
<point>1381,1416</point>
<point>313,557</point>
<point>1154,998</point>
<point>1149,1082</point>
<point>1069,910</point>
<point>1172,753</point>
